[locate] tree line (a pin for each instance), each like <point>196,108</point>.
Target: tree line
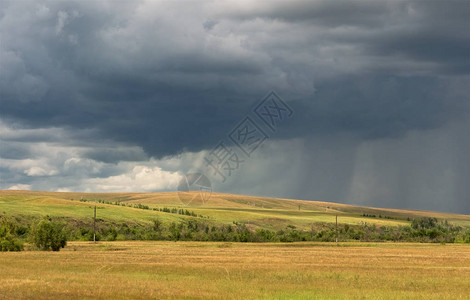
<point>52,233</point>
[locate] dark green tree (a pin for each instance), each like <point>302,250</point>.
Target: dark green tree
<point>47,235</point>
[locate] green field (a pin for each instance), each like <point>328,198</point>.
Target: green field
<point>255,212</point>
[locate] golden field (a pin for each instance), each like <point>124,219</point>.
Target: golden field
<point>195,270</point>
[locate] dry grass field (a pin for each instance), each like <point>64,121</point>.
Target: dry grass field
<point>194,270</point>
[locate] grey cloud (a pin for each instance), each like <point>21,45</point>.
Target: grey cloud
<point>116,155</point>
<point>326,13</point>
<point>15,151</point>
<point>420,170</point>
<point>158,79</point>
<point>430,31</point>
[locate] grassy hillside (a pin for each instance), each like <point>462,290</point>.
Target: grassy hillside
<point>255,212</point>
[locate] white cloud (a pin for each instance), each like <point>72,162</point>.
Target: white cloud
<point>67,167</point>
<point>83,165</point>
<point>139,179</point>
<point>38,171</point>
<point>26,187</point>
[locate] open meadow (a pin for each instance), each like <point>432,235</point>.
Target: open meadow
<point>151,246</point>
<point>195,270</point>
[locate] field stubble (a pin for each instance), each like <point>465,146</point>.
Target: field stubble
<point>190,270</point>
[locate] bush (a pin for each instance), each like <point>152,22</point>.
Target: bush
<point>467,236</point>
<point>47,235</point>
<point>8,242</point>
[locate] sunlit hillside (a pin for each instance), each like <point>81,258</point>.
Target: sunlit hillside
<point>255,212</point>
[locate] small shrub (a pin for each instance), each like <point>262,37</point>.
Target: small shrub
<point>8,242</point>
<point>47,235</point>
<point>467,236</point>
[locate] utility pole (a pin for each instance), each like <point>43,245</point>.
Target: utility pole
<point>94,226</point>
<point>336,230</point>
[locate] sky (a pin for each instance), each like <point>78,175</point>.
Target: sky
<point>129,96</point>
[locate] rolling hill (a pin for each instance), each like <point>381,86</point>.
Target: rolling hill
<point>255,212</point>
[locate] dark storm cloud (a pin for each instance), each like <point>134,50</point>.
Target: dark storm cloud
<point>115,155</point>
<point>381,106</point>
<point>168,89</point>
<point>432,31</point>
<point>325,13</point>
<point>152,79</point>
